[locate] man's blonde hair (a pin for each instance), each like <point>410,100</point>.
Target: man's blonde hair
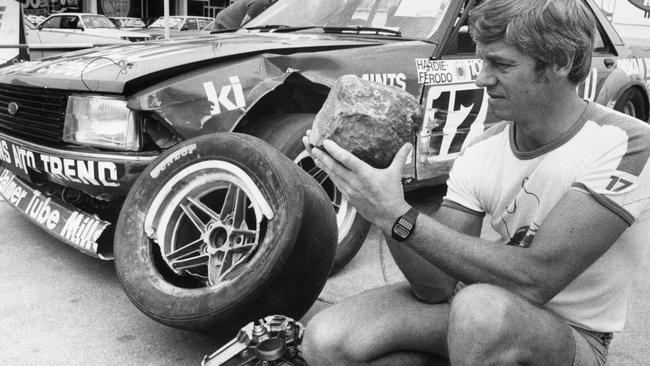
<point>553,32</point>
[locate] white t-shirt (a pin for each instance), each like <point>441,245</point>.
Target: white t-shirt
<point>605,154</point>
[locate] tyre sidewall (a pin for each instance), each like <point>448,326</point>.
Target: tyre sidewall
<point>133,249</point>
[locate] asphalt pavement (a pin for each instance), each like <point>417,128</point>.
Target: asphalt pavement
<point>61,307</point>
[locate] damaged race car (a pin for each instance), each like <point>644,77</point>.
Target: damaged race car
<point>183,160</point>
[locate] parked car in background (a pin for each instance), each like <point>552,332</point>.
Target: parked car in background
<point>48,41</point>
<point>135,140</point>
<point>128,22</point>
<point>179,26</point>
<point>58,27</point>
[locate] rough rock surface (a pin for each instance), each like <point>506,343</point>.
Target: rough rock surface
<point>369,119</point>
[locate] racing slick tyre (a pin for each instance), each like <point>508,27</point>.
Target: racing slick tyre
<point>285,132</point>
<point>631,103</point>
<point>222,230</point>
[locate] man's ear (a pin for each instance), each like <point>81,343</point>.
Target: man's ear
<point>562,71</point>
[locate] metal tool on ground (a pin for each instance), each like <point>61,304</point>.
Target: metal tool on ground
<point>272,341</point>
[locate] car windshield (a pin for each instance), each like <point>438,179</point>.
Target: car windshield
<point>412,18</point>
<point>131,23</point>
<point>160,22</point>
<point>97,21</point>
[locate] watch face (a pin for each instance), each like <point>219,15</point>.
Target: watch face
<point>402,228</point>
<point>401,231</point>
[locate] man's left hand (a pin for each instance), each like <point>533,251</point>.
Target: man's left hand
<point>377,194</point>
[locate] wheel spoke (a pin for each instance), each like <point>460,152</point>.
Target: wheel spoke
<point>194,246</point>
<point>191,262</point>
<point>201,206</point>
<point>242,248</point>
<point>240,210</point>
<point>230,202</point>
<point>337,207</point>
<point>245,232</point>
<point>319,175</point>
<point>216,267</point>
<point>187,209</point>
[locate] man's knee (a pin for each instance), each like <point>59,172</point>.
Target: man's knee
<point>480,307</point>
<point>479,327</point>
<point>324,339</point>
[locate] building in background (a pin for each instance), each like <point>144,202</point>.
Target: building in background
<point>145,9</point>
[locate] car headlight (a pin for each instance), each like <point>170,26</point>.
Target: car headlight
<point>101,122</point>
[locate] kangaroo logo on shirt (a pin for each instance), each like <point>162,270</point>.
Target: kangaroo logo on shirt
<point>525,201</point>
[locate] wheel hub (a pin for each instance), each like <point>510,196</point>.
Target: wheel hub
<point>215,237</point>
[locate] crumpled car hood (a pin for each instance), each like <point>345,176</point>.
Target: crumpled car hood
<point>109,69</point>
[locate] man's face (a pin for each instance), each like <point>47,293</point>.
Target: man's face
<point>515,87</point>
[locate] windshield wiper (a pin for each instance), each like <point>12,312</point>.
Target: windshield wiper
<point>360,29</point>
<point>268,26</point>
<point>279,28</point>
<point>226,30</point>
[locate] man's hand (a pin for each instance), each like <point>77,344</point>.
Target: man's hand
<point>377,194</point>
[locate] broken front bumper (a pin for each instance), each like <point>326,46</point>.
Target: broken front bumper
<point>74,227</point>
<point>26,170</point>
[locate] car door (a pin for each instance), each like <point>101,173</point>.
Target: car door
<point>455,109</point>
<point>605,56</point>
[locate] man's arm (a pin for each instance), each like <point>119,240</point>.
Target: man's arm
<point>573,235</point>
<point>428,282</point>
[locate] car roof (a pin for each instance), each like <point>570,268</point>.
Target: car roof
<point>74,14</point>
<point>185,16</point>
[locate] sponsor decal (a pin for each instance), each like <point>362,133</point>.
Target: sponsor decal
<point>33,4</point>
<point>630,66</point>
<point>75,227</point>
<point>89,172</point>
<point>450,109</point>
<point>223,98</point>
<point>433,72</point>
<point>170,159</point>
<point>392,79</point>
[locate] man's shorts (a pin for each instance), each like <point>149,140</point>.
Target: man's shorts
<point>591,347</point>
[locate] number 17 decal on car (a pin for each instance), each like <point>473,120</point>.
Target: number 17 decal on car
<point>454,115</point>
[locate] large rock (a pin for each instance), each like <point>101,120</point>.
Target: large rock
<point>369,119</point>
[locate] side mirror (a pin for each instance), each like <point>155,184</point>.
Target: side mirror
<point>80,26</point>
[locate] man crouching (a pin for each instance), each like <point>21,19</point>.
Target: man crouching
<point>549,175</point>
